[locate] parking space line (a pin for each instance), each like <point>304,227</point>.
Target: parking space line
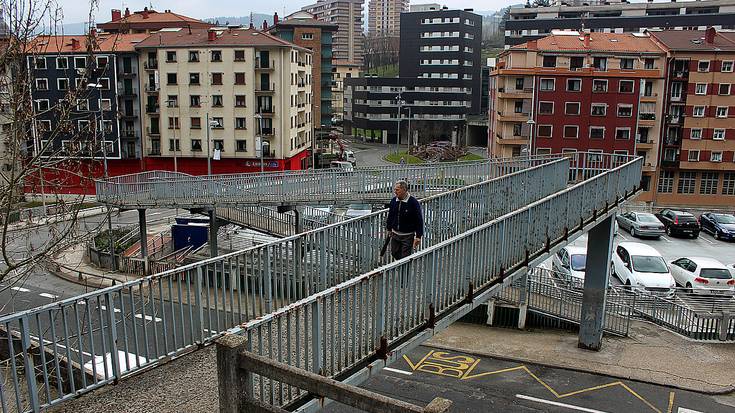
<point>671,402</point>
<point>47,295</point>
<point>622,236</point>
<point>666,239</point>
<point>558,404</point>
<point>407,373</point>
<point>20,289</point>
<point>705,239</point>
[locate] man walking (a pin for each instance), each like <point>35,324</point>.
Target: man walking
<point>405,223</point>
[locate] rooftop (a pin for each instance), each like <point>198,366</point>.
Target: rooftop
<point>694,40</point>
<point>103,42</point>
<point>573,41</point>
<point>149,17</point>
<point>224,37</point>
<point>301,19</point>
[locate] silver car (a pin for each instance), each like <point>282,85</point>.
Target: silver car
<point>641,224</point>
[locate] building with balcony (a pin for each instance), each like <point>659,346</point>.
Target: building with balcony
<point>347,15</point>
<point>341,70</point>
<point>697,156</point>
<point>148,20</point>
<point>216,93</point>
<point>616,16</point>
<point>303,29</point>
<point>571,91</point>
<point>384,17</point>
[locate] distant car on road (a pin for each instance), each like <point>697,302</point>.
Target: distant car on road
<point>641,224</point>
<point>721,226</point>
<point>679,222</point>
<point>343,165</point>
<point>701,275</point>
<point>571,262</point>
<point>640,266</point>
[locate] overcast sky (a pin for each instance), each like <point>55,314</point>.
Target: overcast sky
<point>76,11</point>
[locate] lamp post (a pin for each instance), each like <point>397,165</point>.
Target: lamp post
<point>313,135</point>
<point>259,140</point>
<point>170,103</point>
<point>531,123</point>
<point>210,124</point>
<point>100,125</point>
<point>408,141</point>
<point>398,129</point>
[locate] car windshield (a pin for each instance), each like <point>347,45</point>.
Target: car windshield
<point>724,219</point>
<point>717,273</point>
<point>649,264</point>
<point>579,262</point>
<point>687,218</point>
<point>648,218</point>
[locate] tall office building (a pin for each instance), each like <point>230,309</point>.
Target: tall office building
<point>384,17</point>
<point>347,15</point>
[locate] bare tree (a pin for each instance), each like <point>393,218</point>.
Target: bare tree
<point>41,157</point>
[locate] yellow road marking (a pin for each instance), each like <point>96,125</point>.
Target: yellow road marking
<point>640,397</point>
<point>671,402</point>
<point>415,366</point>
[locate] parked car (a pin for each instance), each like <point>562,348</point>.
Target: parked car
<point>679,222</point>
<point>703,276</point>
<point>570,262</point>
<point>721,226</point>
<point>641,224</point>
<point>343,165</point>
<point>640,266</point>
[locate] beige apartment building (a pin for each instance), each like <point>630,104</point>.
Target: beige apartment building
<point>341,70</point>
<point>384,17</point>
<point>239,85</point>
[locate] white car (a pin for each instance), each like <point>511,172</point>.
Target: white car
<point>701,275</point>
<point>571,262</point>
<point>642,267</point>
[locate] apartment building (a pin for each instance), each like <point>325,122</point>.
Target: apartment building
<point>147,21</point>
<point>304,30</point>
<point>384,17</point>
<point>616,16</point>
<point>698,151</point>
<point>347,15</point>
<point>216,93</point>
<point>341,70</point>
<point>424,7</point>
<point>571,91</point>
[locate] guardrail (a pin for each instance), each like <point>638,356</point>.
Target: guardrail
<point>116,331</point>
<point>270,221</point>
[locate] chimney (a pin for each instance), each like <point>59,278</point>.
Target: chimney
<point>145,13</point>
<point>75,44</point>
<point>211,35</point>
<point>127,12</point>
<point>709,35</point>
<point>265,25</point>
<point>532,44</point>
<point>251,25</point>
<point>116,14</point>
<point>586,40</point>
<point>275,18</point>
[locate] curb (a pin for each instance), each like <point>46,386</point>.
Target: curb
<point>722,391</point>
<point>25,225</point>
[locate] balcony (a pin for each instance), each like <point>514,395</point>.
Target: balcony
<point>266,112</point>
<point>152,88</point>
<point>150,64</point>
<point>128,133</point>
<point>153,132</point>
<point>127,74</point>
<point>267,132</point>
<point>681,74</point>
<point>647,119</point>
<point>672,141</point>
<point>264,65</point>
<point>515,93</point>
<point>642,143</point>
<point>128,93</point>
<point>649,98</point>
<point>152,108</point>
<point>670,163</point>
<point>677,98</point>
<point>512,140</point>
<point>154,152</point>
<point>129,114</point>
<point>265,88</point>
<point>513,116</point>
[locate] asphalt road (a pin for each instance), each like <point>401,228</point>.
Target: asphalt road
<point>481,384</point>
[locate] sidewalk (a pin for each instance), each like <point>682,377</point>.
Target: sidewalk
<point>35,222</point>
<point>71,266</point>
<point>651,354</point>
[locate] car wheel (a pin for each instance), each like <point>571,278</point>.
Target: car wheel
<point>695,235</point>
<point>668,231</point>
<point>716,235</point>
<point>627,284</point>
<point>632,232</point>
<point>688,289</point>
<point>612,270</point>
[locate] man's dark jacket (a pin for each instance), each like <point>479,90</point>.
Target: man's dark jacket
<point>406,216</point>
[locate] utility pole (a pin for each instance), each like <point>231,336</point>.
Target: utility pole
<point>259,139</point>
<point>398,129</point>
<point>209,149</point>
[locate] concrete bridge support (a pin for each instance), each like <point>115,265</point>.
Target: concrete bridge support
<point>143,240</point>
<point>596,278</point>
<point>213,229</point>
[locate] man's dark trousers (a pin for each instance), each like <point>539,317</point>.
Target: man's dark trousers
<point>401,246</point>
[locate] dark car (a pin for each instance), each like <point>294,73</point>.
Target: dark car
<point>679,222</point>
<point>721,226</point>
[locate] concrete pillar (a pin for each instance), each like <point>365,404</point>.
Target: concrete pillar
<point>522,314</point>
<point>596,278</point>
<point>213,228</point>
<point>490,312</point>
<point>143,239</point>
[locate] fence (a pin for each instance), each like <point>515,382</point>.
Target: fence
<point>270,221</point>
<point>121,329</point>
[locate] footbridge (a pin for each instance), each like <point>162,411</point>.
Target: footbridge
<point>323,300</point>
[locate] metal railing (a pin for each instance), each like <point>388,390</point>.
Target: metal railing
<point>270,221</point>
<point>115,331</point>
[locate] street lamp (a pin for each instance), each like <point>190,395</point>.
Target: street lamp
<point>531,123</point>
<point>398,129</point>
<point>313,131</point>
<point>100,125</point>
<point>171,103</point>
<point>408,141</point>
<point>210,124</point>
<point>259,140</point>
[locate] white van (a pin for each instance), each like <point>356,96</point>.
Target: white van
<point>349,156</point>
<point>345,166</point>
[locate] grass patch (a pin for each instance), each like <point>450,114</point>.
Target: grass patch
<point>410,159</point>
<point>384,71</point>
<point>471,157</point>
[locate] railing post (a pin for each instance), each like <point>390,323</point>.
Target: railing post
<point>112,326</point>
<point>268,280</point>
<point>316,336</point>
<point>725,325</point>
<point>199,309</point>
<point>231,379</point>
<point>30,371</point>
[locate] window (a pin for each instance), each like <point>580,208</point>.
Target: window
<point>598,109</point>
<point>82,125</point>
<point>597,132</point>
<point>517,129</point>
<point>518,106</point>
<point>715,156</point>
<point>543,151</point>
<point>727,66</point>
<point>196,145</point>
<point>62,84</point>
<point>570,131</point>
<point>82,104</point>
<point>625,111</point>
<point>626,64</point>
<point>544,131</point>
<point>193,78</point>
<point>41,84</point>
<point>101,61</point>
<point>105,104</point>
<point>216,78</point>
<point>648,64</point>
<point>626,86</point>
<point>171,78</point>
<point>307,36</point>
<point>217,101</point>
<point>519,83</point>
<point>241,145</point>
<point>171,56</point>
<point>574,85</point>
<point>104,82</point>
<point>239,78</point>
<point>219,123</point>
<point>599,85</point>
<point>194,101</point>
<point>171,145</point>
<point>599,63</point>
<point>695,133</point>
<point>62,63</point>
<point>173,122</point>
<point>240,101</point>
<point>546,108</point>
<point>718,135</point>
<point>666,182</point>
<point>239,55</point>
<point>703,66</point>
<point>693,155</point>
<point>80,62</point>
<point>722,111</point>
<point>43,125</point>
<point>728,183</point>
<point>219,144</point>
<point>547,85</point>
<point>724,89</point>
<point>193,56</point>
<point>686,182</point>
<point>622,133</point>
<point>700,89</point>
<point>216,55</point>
<point>549,61</point>
<point>196,123</point>
<point>571,108</point>
<point>240,123</point>
<point>39,63</point>
<point>709,183</point>
<point>698,112</point>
